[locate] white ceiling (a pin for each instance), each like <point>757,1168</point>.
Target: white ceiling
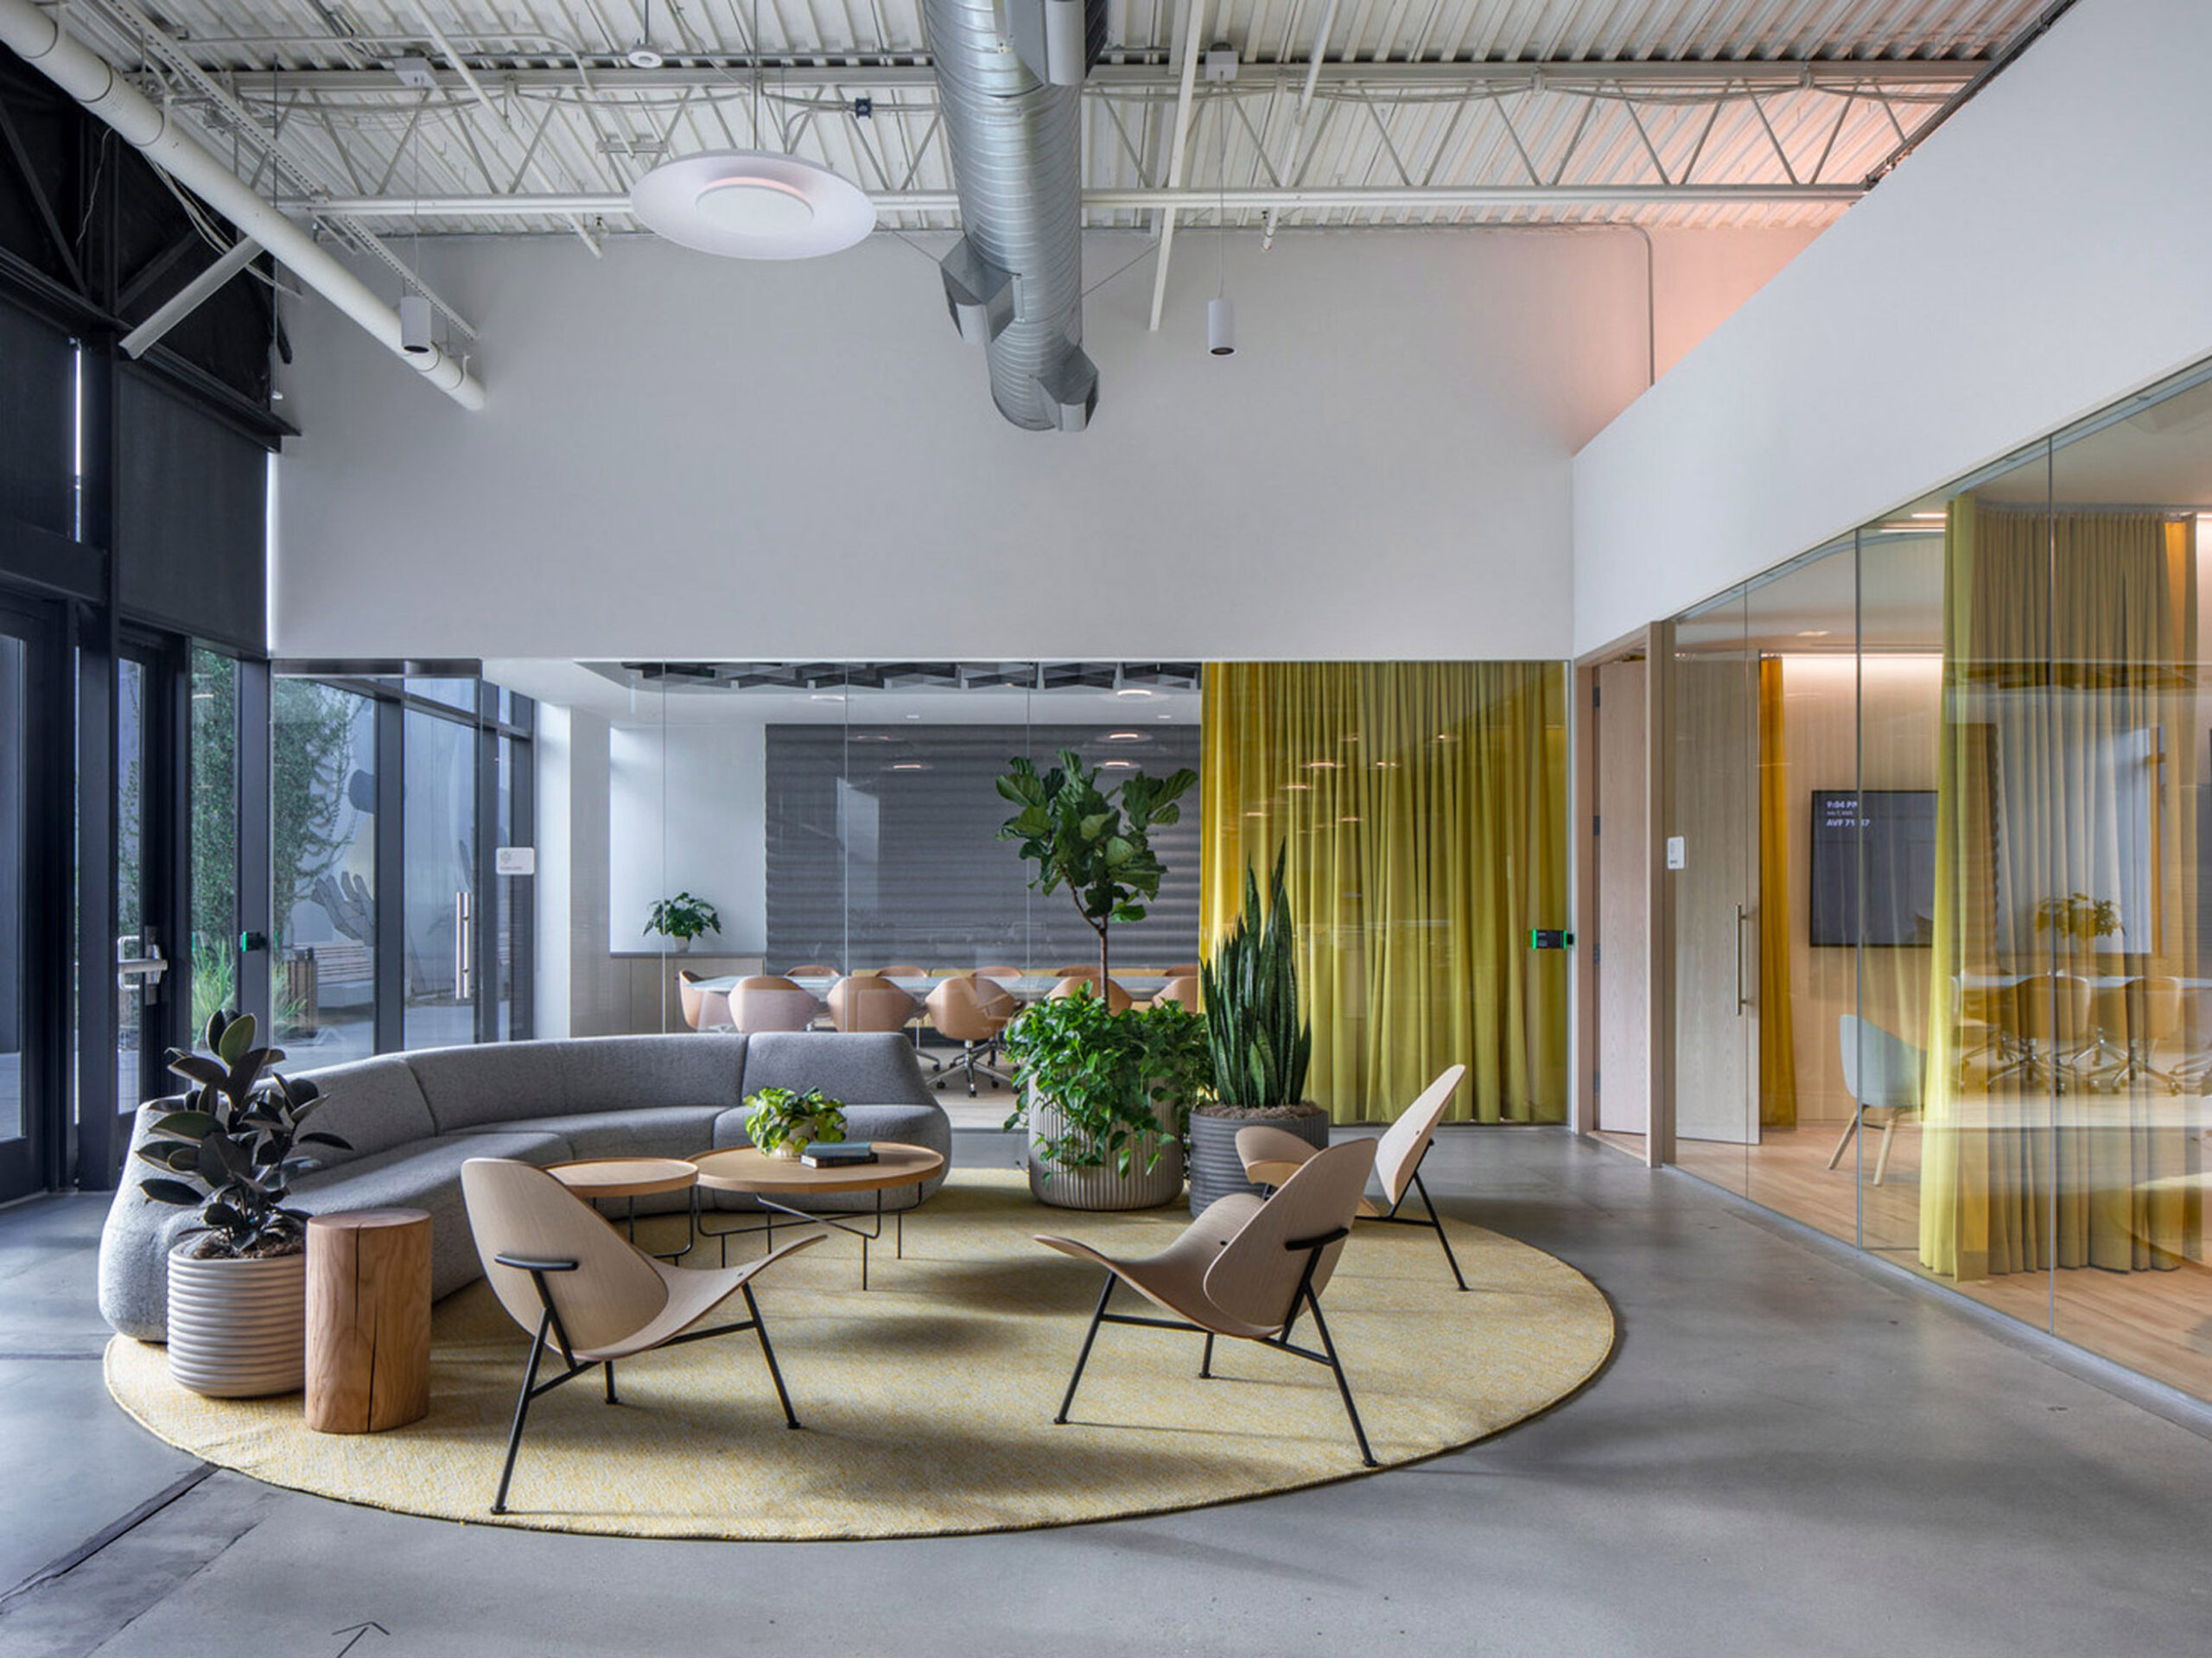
<point>1423,112</point>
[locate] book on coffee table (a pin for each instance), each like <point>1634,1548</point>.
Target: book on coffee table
<point>837,1153</point>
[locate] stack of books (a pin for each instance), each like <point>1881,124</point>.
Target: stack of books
<point>838,1153</point>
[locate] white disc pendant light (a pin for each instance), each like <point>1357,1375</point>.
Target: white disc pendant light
<point>753,204</point>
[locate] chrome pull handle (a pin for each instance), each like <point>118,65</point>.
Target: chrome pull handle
<point>1743,1002</point>
<point>143,970</point>
<point>464,947</point>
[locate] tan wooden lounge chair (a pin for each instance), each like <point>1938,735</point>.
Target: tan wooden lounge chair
<point>1271,1155</point>
<point>1249,1267</point>
<point>560,1270</point>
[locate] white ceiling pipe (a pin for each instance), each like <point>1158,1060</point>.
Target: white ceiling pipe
<point>88,77</point>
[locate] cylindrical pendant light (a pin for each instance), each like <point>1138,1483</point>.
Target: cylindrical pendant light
<point>414,323</point>
<point>1221,326</point>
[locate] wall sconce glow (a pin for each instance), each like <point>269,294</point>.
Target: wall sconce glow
<point>753,204</point>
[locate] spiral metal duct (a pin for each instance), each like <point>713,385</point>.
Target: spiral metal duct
<point>1010,74</point>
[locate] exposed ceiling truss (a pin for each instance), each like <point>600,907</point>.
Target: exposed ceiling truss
<point>902,676</point>
<point>528,117</point>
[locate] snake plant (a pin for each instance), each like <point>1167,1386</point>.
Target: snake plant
<point>1260,1047</point>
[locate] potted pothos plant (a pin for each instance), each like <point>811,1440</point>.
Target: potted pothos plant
<point>682,918</point>
<point>1105,1097</point>
<point>1103,1094</point>
<point>784,1122</point>
<point>237,1284</point>
<point>1259,1047</point>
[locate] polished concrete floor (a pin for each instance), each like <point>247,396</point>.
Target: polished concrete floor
<point>1785,1457</point>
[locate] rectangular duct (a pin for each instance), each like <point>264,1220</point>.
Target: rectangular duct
<point>979,295</point>
<point>1058,40</point>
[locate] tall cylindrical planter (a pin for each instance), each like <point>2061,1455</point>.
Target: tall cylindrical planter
<point>1216,1171</point>
<point>1103,1187</point>
<point>238,1329</point>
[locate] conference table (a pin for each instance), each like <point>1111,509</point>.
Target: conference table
<point>1026,987</point>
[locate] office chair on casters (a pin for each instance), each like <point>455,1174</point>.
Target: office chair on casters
<point>1270,1155</point>
<point>1249,1268</point>
<point>972,1012</point>
<point>562,1271</point>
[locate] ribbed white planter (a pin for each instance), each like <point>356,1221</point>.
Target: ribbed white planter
<point>1101,1187</point>
<point>238,1329</point>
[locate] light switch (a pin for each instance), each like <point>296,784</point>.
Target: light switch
<point>1675,856</point>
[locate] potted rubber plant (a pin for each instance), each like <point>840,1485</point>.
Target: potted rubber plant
<point>1259,1047</point>
<point>1104,1094</point>
<point>1105,1098</point>
<point>682,918</point>
<point>237,1284</point>
<point>784,1122</point>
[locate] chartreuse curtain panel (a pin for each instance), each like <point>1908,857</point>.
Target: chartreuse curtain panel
<point>2069,755</point>
<point>1422,810</point>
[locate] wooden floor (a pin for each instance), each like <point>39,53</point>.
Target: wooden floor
<point>2159,1323</point>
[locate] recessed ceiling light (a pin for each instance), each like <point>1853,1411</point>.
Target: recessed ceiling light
<point>1132,690</point>
<point>827,696</point>
<point>1120,765</point>
<point>751,204</point>
<point>1813,634</point>
<point>1125,736</point>
<point>913,717</point>
<point>1323,765</point>
<point>1300,787</point>
<point>909,765</point>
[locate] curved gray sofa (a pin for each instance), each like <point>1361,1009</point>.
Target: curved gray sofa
<point>414,1118</point>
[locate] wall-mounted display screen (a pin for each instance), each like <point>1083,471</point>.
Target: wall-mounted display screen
<point>1891,833</point>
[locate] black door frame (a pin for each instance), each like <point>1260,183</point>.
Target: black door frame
<point>36,1161</point>
<point>165,848</point>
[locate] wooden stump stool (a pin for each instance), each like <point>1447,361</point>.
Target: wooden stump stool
<point>368,1320</point>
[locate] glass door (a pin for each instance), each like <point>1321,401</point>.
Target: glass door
<point>152,957</point>
<point>443,943</point>
<point>34,1077</point>
<point>1711,862</point>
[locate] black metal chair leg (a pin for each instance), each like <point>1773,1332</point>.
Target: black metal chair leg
<point>1084,1357</point>
<point>775,1375</point>
<point>1437,1221</point>
<point>1344,1387</point>
<point>521,1412</point>
<point>609,1368</point>
<point>1205,1364</point>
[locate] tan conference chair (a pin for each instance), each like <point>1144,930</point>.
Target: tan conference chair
<point>904,970</point>
<point>703,1010</point>
<point>869,1004</point>
<point>562,1271</point>
<point>1182,971</point>
<point>1249,1267</point>
<point>1271,1155</point>
<point>1076,971</point>
<point>973,1012</point>
<point>1182,990</point>
<point>1001,972</point>
<point>811,970</point>
<point>1117,998</point>
<point>767,1002</point>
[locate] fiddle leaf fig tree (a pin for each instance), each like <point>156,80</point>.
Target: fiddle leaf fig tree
<point>1095,843</point>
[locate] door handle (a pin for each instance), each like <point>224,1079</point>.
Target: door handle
<point>1743,1002</point>
<point>143,971</point>
<point>464,946</point>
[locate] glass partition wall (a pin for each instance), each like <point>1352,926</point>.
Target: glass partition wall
<point>1948,785</point>
<point>843,818</point>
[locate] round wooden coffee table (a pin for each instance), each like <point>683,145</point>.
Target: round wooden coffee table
<point>595,1179</point>
<point>782,1185</point>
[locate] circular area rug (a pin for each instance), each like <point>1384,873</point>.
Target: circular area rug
<point>928,1399</point>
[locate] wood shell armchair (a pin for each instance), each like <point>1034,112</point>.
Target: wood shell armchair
<point>1249,1267</point>
<point>562,1272</point>
<point>1270,1156</point>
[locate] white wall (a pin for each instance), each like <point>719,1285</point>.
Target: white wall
<point>2047,252</point>
<point>688,812</point>
<point>684,456</point>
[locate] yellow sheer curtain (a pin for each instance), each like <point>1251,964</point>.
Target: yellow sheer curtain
<point>1424,806</point>
<point>2067,765</point>
<point>1777,1030</point>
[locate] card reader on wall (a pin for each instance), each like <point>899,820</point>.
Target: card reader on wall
<point>1550,938</point>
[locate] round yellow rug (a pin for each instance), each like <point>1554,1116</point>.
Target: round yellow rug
<point>928,1399</point>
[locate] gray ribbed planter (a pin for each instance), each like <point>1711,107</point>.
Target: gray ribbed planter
<point>1099,1188</point>
<point>238,1329</point>
<point>1216,1171</point>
